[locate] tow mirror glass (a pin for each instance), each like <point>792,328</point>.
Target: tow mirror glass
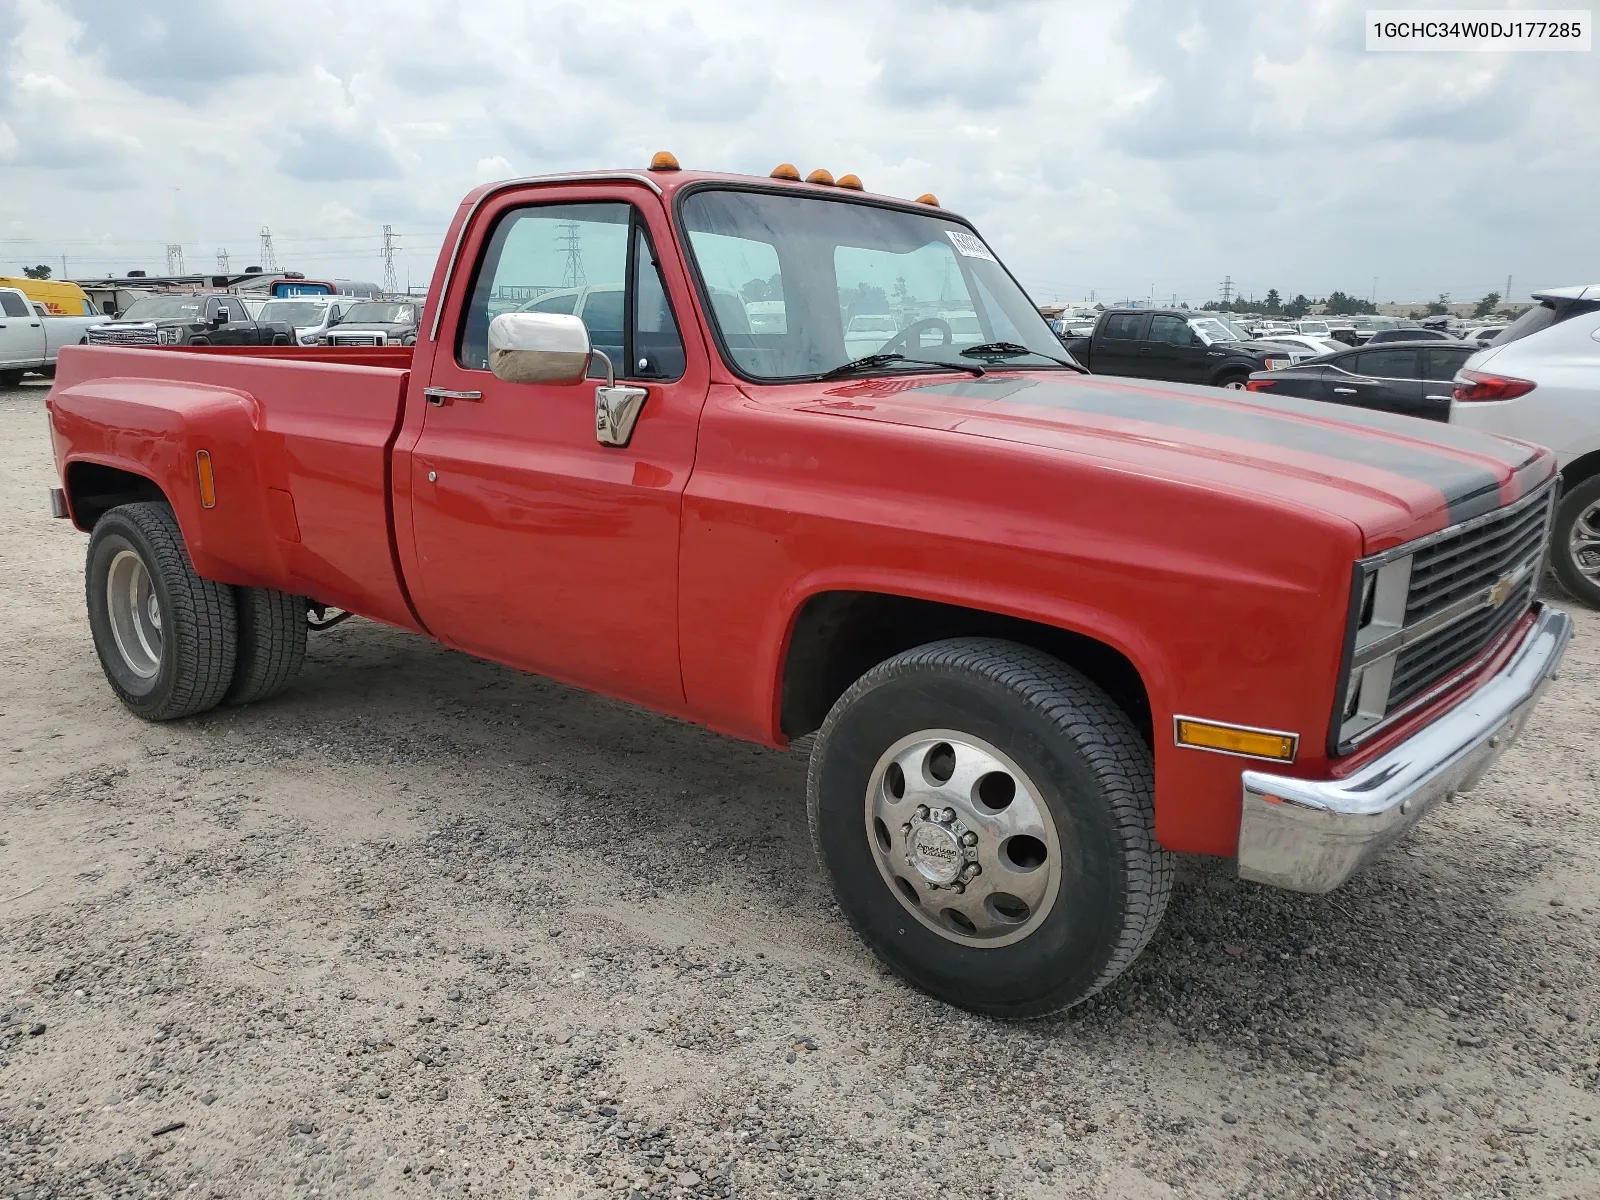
<point>528,347</point>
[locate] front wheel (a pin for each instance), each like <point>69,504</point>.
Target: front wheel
<point>1234,383</point>
<point>167,639</point>
<point>1575,541</point>
<point>986,817</point>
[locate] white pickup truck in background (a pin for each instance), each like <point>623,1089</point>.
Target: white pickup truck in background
<point>31,337</point>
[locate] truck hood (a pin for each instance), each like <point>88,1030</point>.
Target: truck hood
<point>1394,477</point>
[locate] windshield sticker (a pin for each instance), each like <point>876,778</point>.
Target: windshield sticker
<point>969,245</point>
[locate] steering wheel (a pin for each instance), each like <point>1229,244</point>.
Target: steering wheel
<point>901,341</point>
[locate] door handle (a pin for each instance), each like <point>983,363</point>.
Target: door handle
<point>1345,391</point>
<point>437,396</point>
<point>1438,397</point>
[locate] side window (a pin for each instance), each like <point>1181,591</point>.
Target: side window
<point>551,254</point>
<point>1387,364</point>
<point>1442,364</point>
<point>1174,331</point>
<point>657,348</point>
<point>13,304</point>
<point>1123,326</point>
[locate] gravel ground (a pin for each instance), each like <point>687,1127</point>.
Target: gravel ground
<point>426,926</point>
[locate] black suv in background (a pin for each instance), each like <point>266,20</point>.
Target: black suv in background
<point>188,319</point>
<point>1412,378</point>
<point>1177,345</point>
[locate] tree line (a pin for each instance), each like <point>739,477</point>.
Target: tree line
<point>1337,304</point>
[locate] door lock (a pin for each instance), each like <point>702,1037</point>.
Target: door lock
<point>433,477</point>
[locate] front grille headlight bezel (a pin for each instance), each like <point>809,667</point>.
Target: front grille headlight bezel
<point>1377,618</point>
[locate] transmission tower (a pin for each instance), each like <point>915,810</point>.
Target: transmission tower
<point>391,285</point>
<point>174,259</point>
<point>1227,290</point>
<point>573,277</point>
<point>222,260</point>
<point>269,260</point>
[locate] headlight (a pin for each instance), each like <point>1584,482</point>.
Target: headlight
<point>162,337</point>
<point>1274,364</point>
<point>1378,617</point>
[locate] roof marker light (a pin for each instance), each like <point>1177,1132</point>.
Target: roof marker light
<point>853,182</point>
<point>786,171</point>
<point>820,176</point>
<point>665,160</point>
<point>928,198</point>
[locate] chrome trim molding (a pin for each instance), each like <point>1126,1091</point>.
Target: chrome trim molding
<point>1293,737</point>
<point>1310,835</point>
<point>507,184</point>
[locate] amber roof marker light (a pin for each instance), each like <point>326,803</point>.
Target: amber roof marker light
<point>929,199</point>
<point>665,160</point>
<point>853,182</point>
<point>820,176</point>
<point>786,171</point>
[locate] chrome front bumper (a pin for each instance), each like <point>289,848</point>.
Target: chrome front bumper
<point>1310,835</point>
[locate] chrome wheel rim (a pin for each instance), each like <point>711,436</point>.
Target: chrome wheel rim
<point>1236,385</point>
<point>135,613</point>
<point>963,838</point>
<point>1583,543</point>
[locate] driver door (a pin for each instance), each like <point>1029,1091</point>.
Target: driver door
<point>536,545</point>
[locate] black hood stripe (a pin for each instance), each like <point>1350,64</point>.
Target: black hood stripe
<point>1332,432</point>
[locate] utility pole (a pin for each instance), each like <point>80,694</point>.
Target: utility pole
<point>174,258</point>
<point>63,266</point>
<point>391,285</point>
<point>222,260</point>
<point>269,260</point>
<point>1373,299</point>
<point>573,275</point>
<point>1507,292</point>
<point>1227,290</point>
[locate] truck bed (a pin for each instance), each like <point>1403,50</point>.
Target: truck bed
<point>299,440</point>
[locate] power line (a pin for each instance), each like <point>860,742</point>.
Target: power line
<point>222,260</point>
<point>573,275</point>
<point>1227,289</point>
<point>269,260</point>
<point>175,259</point>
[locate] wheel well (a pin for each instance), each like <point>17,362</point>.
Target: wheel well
<point>94,490</point>
<point>840,636</point>
<point>1579,469</point>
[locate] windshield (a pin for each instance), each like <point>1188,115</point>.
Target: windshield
<point>293,312</point>
<point>381,314</point>
<point>800,285</point>
<point>1313,327</point>
<point>164,308</point>
<point>1213,330</point>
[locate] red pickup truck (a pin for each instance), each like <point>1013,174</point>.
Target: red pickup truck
<point>1047,628</point>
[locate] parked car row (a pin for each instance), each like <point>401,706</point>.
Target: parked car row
<point>228,319</point>
<point>31,336</point>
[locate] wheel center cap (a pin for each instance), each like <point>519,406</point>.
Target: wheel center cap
<point>935,852</point>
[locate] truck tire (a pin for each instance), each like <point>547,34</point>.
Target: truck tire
<point>10,379</point>
<point>1233,381</point>
<point>272,643</point>
<point>986,817</point>
<point>1577,525</point>
<point>167,639</point>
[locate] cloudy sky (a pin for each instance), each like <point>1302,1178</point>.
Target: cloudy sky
<point>1128,149</point>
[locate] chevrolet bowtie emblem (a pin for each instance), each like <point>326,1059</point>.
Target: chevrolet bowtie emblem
<point>1503,587</point>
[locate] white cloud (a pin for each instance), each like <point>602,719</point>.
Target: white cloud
<point>1117,147</point>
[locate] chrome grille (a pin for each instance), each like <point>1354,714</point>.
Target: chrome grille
<point>1429,608</point>
<point>125,336</point>
<point>356,339</point>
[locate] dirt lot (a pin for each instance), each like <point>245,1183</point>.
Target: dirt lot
<point>425,926</point>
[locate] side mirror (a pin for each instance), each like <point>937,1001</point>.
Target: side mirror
<point>554,348</point>
<point>539,348</point>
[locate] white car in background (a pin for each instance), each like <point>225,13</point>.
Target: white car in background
<point>1540,381</point>
<point>867,333</point>
<point>1303,344</point>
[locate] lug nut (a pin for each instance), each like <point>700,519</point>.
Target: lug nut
<point>958,887</point>
<point>948,815</point>
<point>971,870</point>
<point>906,828</point>
<point>969,838</point>
<point>922,812</point>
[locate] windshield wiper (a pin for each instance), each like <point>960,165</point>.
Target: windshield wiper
<point>1011,350</point>
<point>872,361</point>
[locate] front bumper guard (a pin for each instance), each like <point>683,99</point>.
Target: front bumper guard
<point>1310,835</point>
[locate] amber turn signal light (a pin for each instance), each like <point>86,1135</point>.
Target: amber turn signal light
<point>208,482</point>
<point>820,176</point>
<point>1236,739</point>
<point>853,182</point>
<point>665,160</point>
<point>786,171</point>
